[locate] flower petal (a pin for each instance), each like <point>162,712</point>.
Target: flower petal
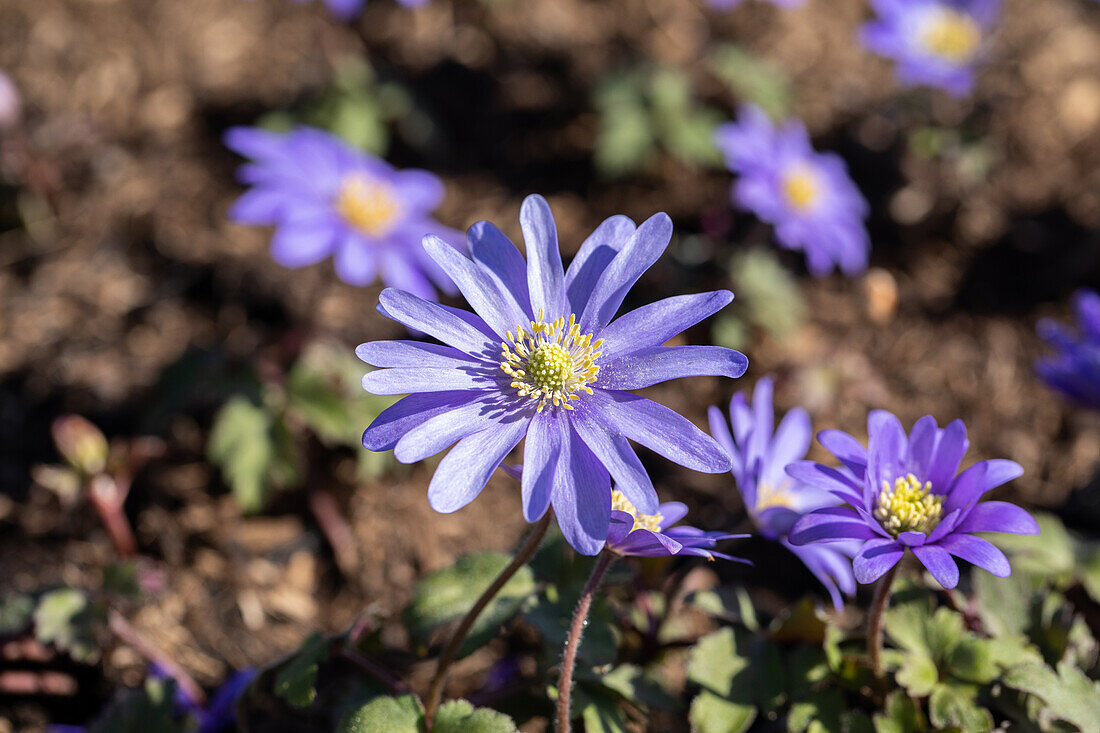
<point>356,262</point>
<point>441,431</point>
<point>875,558</point>
<point>592,258</point>
<point>661,430</point>
<point>407,380</point>
<point>977,551</point>
<point>581,496</point>
<point>847,449</point>
<point>545,276</point>
<point>500,260</point>
<point>495,304</point>
<point>831,523</point>
<point>464,471</point>
<point>830,479</point>
<point>404,353</point>
<point>656,323</point>
<point>658,364</point>
<point>405,414</point>
<point>940,563</point>
<point>998,516</point>
<point>642,250</point>
<point>542,452</point>
<point>303,243</point>
<point>614,452</point>
<point>950,449</point>
<point>978,479</point>
<point>434,320</point>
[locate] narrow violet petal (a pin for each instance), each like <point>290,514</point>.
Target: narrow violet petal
<point>405,414</point>
<point>595,253</point>
<point>407,380</point>
<point>671,512</point>
<point>823,477</point>
<point>998,516</point>
<point>661,430</point>
<point>302,244</point>
<point>501,261</point>
<point>875,558</point>
<point>639,254</point>
<point>922,446</point>
<point>402,272</point>
<point>830,523</point>
<point>495,304</point>
<point>581,495</point>
<point>720,431</point>
<point>789,444</point>
<point>434,320</point>
<point>644,543</point>
<point>979,552</point>
<point>940,563</point>
<point>465,470</point>
<point>542,454</point>
<point>441,431</point>
<point>545,276</point>
<point>971,484</point>
<point>886,450</point>
<point>658,364</point>
<point>621,524</point>
<point>614,452</point>
<point>656,323</point>
<point>412,354</point>
<point>950,449</point>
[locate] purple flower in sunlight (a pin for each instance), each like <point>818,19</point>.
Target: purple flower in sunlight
<point>540,357</point>
<point>328,199</point>
<point>934,42</point>
<point>652,535</point>
<point>1074,369</point>
<point>807,196</point>
<point>773,499</point>
<point>348,9</point>
<point>903,493</point>
<point>730,4</point>
<point>10,106</point>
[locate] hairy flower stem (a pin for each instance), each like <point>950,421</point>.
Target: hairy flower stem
<point>573,641</point>
<point>435,691</point>
<point>879,605</point>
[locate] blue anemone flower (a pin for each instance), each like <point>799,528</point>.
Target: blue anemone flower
<point>328,199</point>
<point>1074,368</point>
<point>904,494</point>
<point>807,196</point>
<point>348,9</point>
<point>774,500</point>
<point>653,535</point>
<point>934,42</point>
<point>542,357</point>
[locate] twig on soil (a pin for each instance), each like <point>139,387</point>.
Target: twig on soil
<point>126,633</point>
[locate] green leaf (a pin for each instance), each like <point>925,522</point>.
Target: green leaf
<point>447,594</point>
<point>741,668</point>
<point>599,709</point>
<point>634,684</point>
<point>241,444</point>
<point>953,705</point>
<point>972,660</point>
<point>121,579</point>
<point>824,707</point>
<point>15,614</point>
<point>459,716</point>
<point>918,675</point>
<point>800,623</point>
<point>1068,694</point>
<point>807,666</point>
<point>715,661</point>
<point>65,619</point>
<point>1003,603</point>
<point>552,614</point>
<point>148,708</point>
<point>753,79</point>
<point>899,715</point>
<point>386,715</point>
<point>729,604</point>
<point>770,294</point>
<point>297,680</point>
<point>1047,554</point>
<point>712,713</point>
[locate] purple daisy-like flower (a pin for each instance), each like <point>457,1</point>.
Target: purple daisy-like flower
<point>653,535</point>
<point>773,499</point>
<point>541,358</point>
<point>1074,369</point>
<point>730,4</point>
<point>348,9</point>
<point>934,42</point>
<point>328,199</point>
<point>904,493</point>
<point>807,196</point>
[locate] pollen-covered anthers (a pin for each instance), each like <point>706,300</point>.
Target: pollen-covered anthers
<point>367,205</point>
<point>551,362</point>
<point>620,503</point>
<point>952,35</point>
<point>907,506</point>
<point>768,497</point>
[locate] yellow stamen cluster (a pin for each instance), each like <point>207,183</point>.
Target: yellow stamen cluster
<point>367,204</point>
<point>768,496</point>
<point>800,188</point>
<point>652,522</point>
<point>952,35</point>
<point>907,506</point>
<point>550,362</point>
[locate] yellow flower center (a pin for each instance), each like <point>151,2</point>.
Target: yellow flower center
<point>652,522</point>
<point>907,506</point>
<point>768,496</point>
<point>952,36</point>
<point>550,362</point>
<point>800,188</point>
<point>367,204</point>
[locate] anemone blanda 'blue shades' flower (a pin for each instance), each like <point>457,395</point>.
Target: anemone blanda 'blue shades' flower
<point>773,499</point>
<point>903,493</point>
<point>328,199</point>
<point>653,535</point>
<point>540,357</point>
<point>808,196</point>
<point>729,4</point>
<point>348,9</point>
<point>1074,369</point>
<point>934,42</point>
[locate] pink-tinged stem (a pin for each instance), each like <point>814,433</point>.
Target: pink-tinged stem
<point>573,641</point>
<point>108,497</point>
<point>879,605</point>
<point>121,628</point>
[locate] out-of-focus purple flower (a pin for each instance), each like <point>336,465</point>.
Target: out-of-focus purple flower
<point>328,199</point>
<point>541,358</point>
<point>730,4</point>
<point>11,108</point>
<point>653,535</point>
<point>808,196</point>
<point>934,42</point>
<point>1074,369</point>
<point>773,499</point>
<point>903,494</point>
<point>219,714</point>
<point>348,9</point>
